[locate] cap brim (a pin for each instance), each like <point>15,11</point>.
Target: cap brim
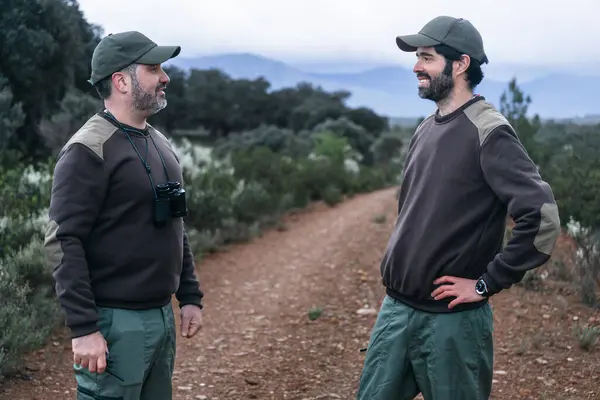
<point>410,43</point>
<point>159,55</point>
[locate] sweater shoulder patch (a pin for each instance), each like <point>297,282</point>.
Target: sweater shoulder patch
<point>486,118</point>
<point>93,134</point>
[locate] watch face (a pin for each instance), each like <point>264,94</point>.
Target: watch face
<point>480,287</point>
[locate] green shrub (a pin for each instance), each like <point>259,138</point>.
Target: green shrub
<point>208,198</point>
<point>372,178</point>
<point>274,171</point>
<point>29,310</point>
<point>332,195</point>
<point>355,135</point>
<point>252,201</point>
<point>315,175</point>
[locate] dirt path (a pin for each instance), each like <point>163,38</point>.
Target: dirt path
<point>259,341</point>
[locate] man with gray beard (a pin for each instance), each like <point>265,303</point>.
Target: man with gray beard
<point>116,239</point>
<point>465,171</point>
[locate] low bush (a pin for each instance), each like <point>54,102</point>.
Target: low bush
<point>29,310</point>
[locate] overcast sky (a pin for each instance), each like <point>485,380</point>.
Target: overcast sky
<point>521,32</point>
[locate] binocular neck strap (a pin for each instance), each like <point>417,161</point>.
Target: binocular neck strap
<point>142,160</point>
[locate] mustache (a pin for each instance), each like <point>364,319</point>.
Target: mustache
<point>158,89</point>
<point>422,75</point>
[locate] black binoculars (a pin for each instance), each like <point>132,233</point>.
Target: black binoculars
<point>169,203</point>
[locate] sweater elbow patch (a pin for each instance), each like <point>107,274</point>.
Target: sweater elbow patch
<point>549,230</point>
<point>54,252</point>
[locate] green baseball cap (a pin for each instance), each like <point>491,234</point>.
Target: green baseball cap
<point>457,33</point>
<point>117,51</point>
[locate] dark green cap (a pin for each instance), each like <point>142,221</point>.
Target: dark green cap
<point>117,51</point>
<point>457,33</point>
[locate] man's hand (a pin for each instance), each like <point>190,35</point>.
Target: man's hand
<point>461,288</point>
<point>90,352</point>
<point>191,320</point>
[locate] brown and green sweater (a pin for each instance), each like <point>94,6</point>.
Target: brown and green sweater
<point>101,240</point>
<point>464,173</point>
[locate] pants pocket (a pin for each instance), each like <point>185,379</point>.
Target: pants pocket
<point>105,321</point>
<point>127,358</point>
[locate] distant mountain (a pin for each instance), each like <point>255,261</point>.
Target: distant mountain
<point>392,90</point>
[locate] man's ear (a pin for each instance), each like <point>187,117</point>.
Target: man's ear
<point>462,64</point>
<point>120,82</point>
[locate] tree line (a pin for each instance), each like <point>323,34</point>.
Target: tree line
<point>44,94</point>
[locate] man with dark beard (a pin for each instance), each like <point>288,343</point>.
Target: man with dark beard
<point>116,240</point>
<point>465,171</point>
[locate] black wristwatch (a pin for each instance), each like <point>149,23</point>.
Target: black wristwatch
<point>481,288</point>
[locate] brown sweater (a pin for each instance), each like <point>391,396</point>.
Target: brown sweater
<point>464,173</point>
<point>101,240</point>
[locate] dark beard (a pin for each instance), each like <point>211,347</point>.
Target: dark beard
<point>145,101</point>
<point>439,87</point>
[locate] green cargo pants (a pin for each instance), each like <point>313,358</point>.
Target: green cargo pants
<point>443,356</point>
<point>140,363</point>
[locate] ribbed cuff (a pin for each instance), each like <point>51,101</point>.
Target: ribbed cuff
<point>492,286</point>
<point>83,329</point>
<point>195,299</point>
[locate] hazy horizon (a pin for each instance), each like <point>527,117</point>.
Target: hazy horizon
<point>501,72</point>
<point>322,34</point>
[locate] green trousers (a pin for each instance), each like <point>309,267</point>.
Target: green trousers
<point>445,356</point>
<point>141,346</point>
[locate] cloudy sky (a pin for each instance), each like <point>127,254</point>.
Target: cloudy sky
<point>517,33</point>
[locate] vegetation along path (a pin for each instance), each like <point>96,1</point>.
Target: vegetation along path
<point>287,313</point>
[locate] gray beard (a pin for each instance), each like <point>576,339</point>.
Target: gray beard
<point>146,102</point>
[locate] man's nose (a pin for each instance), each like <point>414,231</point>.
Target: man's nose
<point>164,78</point>
<point>418,67</point>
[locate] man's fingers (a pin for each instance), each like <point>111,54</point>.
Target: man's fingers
<point>441,290</point>
<point>93,364</point>
<point>76,359</point>
<point>194,328</point>
<point>445,294</point>
<point>444,279</point>
<point>444,290</point>
<point>101,364</point>
<point>84,361</point>
<point>185,326</point>
<point>455,302</point>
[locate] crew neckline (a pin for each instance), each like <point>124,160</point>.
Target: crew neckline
<point>129,129</point>
<point>441,119</point>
